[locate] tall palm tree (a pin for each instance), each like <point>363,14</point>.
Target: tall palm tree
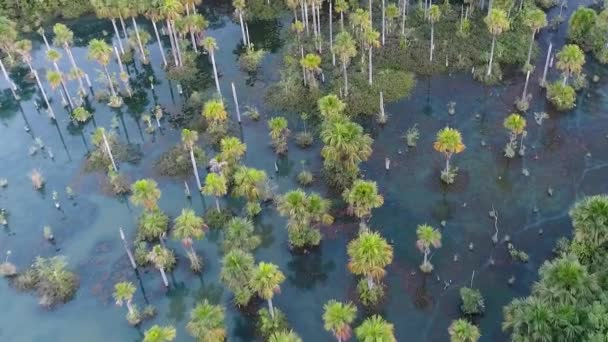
<point>210,45</point>
<point>100,140</point>
<point>239,233</point>
<point>152,12</point>
<point>171,10</point>
<point>590,221</point>
<point>311,65</point>
<point>516,125</point>
<point>434,15</point>
<point>375,329</point>
<point>497,22</point>
<point>251,184</point>
<point>427,237</point>
<point>215,112</point>
<point>145,192</point>
<point>462,331</point>
<point>100,51</point>
<point>362,197</point>
<point>279,132</point>
<point>239,8</point>
<point>530,319</point>
<point>8,36</point>
<point>54,56</point>
<point>159,334</point>
<point>293,6</point>
<point>108,9</point>
<point>341,6</point>
<point>132,9</point>
<point>232,150</point>
<point>64,37</point>
<point>24,48</point>
<point>123,293</point>
<point>331,106</point>
<point>448,142</point>
<point>236,274</point>
<point>345,48</point>
<point>570,60</point>
<point>215,185</point>
<point>189,139</point>
<point>266,281</point>
<point>54,79</point>
<point>368,255</point>
<point>535,19</point>
<point>371,40</point>
<point>191,3</point>
<point>337,318</point>
<point>195,23</point>
<point>162,258</point>
<point>207,323</point>
<point>188,227</point>
<point>284,336</point>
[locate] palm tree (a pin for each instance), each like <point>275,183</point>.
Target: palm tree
<point>279,134</point>
<point>370,39</point>
<point>189,25</point>
<point>331,106</point>
<point>345,48</point>
<point>152,12</point>
<point>132,9</point>
<point>535,19</point>
<point>54,79</point>
<point>191,3</point>
<point>590,221</point>
<point>337,318</point>
<point>159,334</point>
<point>530,319</point>
<point>64,37</point>
<point>8,35</point>
<point>311,66</point>
<point>123,293</point>
<point>284,336</point>
<point>341,6</point>
<point>207,323</point>
<point>427,237</point>
<point>304,213</point>
<point>100,139</point>
<point>266,281</point>
<point>215,112</point>
<point>240,234</point>
<point>162,258</point>
<point>171,10</point>
<point>375,329</point>
<point>54,56</point>
<point>232,150</point>
<point>369,254</point>
<point>236,274</point>
<point>239,8</point>
<point>100,51</point>
<point>362,197</point>
<point>448,142</point>
<point>187,227</point>
<point>251,184</point>
<point>210,46</point>
<point>24,49</point>
<point>107,9</point>
<point>497,22</point>
<point>462,331</point>
<point>189,139</point>
<point>215,185</point>
<point>145,193</point>
<point>434,15</point>
<point>570,60</point>
<point>516,125</point>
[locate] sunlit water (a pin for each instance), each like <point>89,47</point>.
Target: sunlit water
<point>567,153</point>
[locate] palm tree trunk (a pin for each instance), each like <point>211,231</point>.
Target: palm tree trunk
<point>383,21</point>
<point>173,48</point>
<point>447,163</point>
<point>530,49</point>
<point>432,40</point>
<point>130,307</point>
<point>565,81</point>
<point>370,282</point>
<point>160,44</point>
<point>195,169</point>
<point>126,245</point>
<point>8,79</point>
<point>120,66</point>
<point>524,95</point>
<point>314,25</point>
<point>122,49</point>
<point>345,79</point>
<point>426,253</point>
<point>371,16</point>
<point>544,81</point>
<point>164,276</point>
<point>124,27</point>
<point>141,46</point>
<point>65,88</point>
<point>370,80</point>
<point>110,83</point>
<point>217,81</point>
<point>270,307</point>
<point>236,103</point>
<point>42,91</point>
<point>342,21</point>
<point>74,66</point>
<point>193,42</point>
<point>242,28</point>
<point>331,36</point>
<point>177,46</point>
<point>306,17</point>
<point>491,55</point>
<point>107,145</point>
<point>217,204</point>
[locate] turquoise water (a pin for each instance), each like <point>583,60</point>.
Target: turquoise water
<point>567,153</point>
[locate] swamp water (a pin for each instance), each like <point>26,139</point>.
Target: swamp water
<point>567,153</point>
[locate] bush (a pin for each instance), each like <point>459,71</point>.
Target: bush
<point>267,325</point>
<point>250,60</point>
<point>369,297</point>
<point>51,280</point>
<point>152,225</point>
<point>563,97</point>
<point>304,237</point>
<point>217,219</point>
<point>472,301</point>
<point>304,139</point>
<point>305,178</point>
<point>176,161</point>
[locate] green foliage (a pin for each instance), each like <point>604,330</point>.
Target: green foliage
<point>236,274</point>
<point>250,59</point>
<point>152,225</point>
<point>337,318</point>
<point>590,220</point>
<point>546,4</point>
<point>217,219</point>
<point>305,213</point>
<point>240,234</point>
<point>51,279</point>
<point>263,9</point>
<point>305,178</point>
<point>472,301</point>
<point>369,296</point>
<point>81,115</point>
<point>31,14</point>
<point>268,325</point>
<point>176,161</point>
<point>563,97</point>
<point>207,322</point>
<point>580,25</point>
<point>462,331</point>
<point>279,134</point>
<point>374,329</point>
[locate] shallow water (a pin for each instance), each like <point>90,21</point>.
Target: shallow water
<point>421,308</point>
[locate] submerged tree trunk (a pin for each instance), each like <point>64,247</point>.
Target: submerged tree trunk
<point>171,39</point>
<point>530,49</point>
<point>8,79</point>
<point>122,49</point>
<point>160,44</point>
<point>124,27</point>
<point>177,46</point>
<point>68,51</point>
<point>369,65</point>
<point>236,103</point>
<point>544,80</point>
<point>110,83</point>
<point>126,245</point>
<point>383,21</point>
<point>270,307</point>
<point>63,85</point>
<point>109,151</point>
<point>524,95</point>
<point>242,28</point>
<point>162,274</point>
<point>42,91</point>
<point>195,169</point>
<point>491,55</point>
<point>141,46</point>
<point>217,204</point>
<point>217,81</point>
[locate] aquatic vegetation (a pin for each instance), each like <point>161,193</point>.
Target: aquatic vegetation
<point>472,301</point>
<point>563,97</point>
<point>250,59</point>
<point>240,235</point>
<point>177,162</point>
<point>368,255</point>
<point>159,334</point>
<point>207,322</point>
<point>270,324</point>
<point>81,115</point>
<point>236,274</point>
<point>162,259</point>
<point>412,135</point>
<point>304,213</point>
<point>427,237</point>
<point>123,293</point>
<point>152,225</point>
<point>279,134</point>
<point>462,331</point>
<point>375,328</point>
<point>51,279</point>
<point>305,178</point>
<point>516,125</point>
<point>37,179</point>
<point>188,227</point>
<point>449,142</point>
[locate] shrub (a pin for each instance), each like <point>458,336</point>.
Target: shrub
<point>472,301</point>
<point>267,325</point>
<point>250,60</point>
<point>563,97</point>
<point>152,225</point>
<point>176,161</point>
<point>369,296</point>
<point>51,280</point>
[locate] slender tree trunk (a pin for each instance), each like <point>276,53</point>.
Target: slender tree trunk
<point>122,49</point>
<point>270,307</point>
<point>173,43</point>
<point>193,42</point>
<point>491,55</point>
<point>160,44</point>
<point>371,16</point>
<point>342,21</point>
<point>524,95</point>
<point>565,81</point>
<point>10,82</point>
<point>314,24</point>
<point>447,163</point>
<point>345,79</point>
<point>126,245</point>
<point>177,46</point>
<point>544,81</point>
<point>383,21</point>
<point>130,307</point>
<point>217,81</point>
<point>426,253</point>
<point>110,83</point>
<point>236,103</point>
<point>42,91</point>
<point>107,145</point>
<point>195,169</point>
<point>530,49</point>
<point>217,204</point>
<point>432,40</point>
<point>162,274</point>
<point>369,66</point>
<point>306,17</point>
<point>120,66</point>
<point>141,46</point>
<point>370,282</point>
<point>331,35</point>
<point>76,69</point>
<point>303,68</point>
<point>63,85</point>
<point>242,27</point>
<point>124,27</point>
